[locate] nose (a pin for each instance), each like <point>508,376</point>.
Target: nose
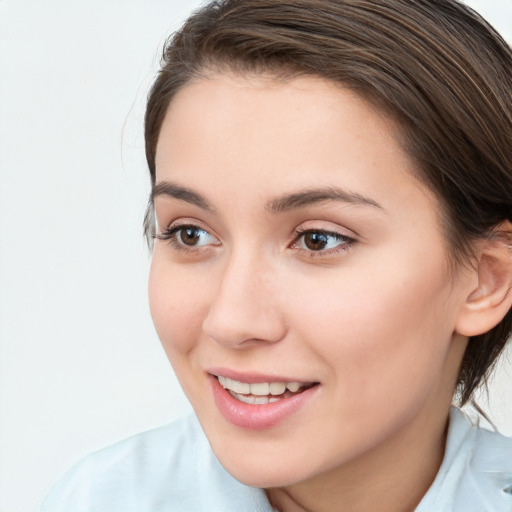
<point>245,309</point>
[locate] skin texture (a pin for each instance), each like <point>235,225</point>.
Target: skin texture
<point>372,320</point>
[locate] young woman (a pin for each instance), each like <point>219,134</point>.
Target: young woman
<point>331,207</point>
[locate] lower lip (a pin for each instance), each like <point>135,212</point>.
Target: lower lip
<point>258,416</point>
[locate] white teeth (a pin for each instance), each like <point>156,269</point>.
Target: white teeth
<point>258,389</point>
<point>253,399</point>
<point>277,388</point>
<point>293,386</point>
<point>240,387</point>
<point>223,381</point>
<point>235,385</point>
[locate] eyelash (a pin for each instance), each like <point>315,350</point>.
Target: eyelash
<point>346,242</point>
<point>171,234</point>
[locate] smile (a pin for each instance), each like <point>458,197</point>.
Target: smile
<point>261,392</point>
<point>260,405</point>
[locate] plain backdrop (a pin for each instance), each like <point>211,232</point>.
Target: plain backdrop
<point>80,364</point>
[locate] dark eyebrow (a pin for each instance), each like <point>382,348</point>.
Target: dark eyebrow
<point>312,196</point>
<point>166,188</point>
<point>281,204</point>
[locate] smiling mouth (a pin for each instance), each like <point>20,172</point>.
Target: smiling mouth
<point>259,393</point>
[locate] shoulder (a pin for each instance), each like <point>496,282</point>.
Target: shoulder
<point>168,469</point>
<point>476,473</point>
<point>121,471</point>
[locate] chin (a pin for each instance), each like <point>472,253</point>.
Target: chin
<point>266,464</point>
<point>264,476</point>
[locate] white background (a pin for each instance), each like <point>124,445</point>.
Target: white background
<point>80,364</point>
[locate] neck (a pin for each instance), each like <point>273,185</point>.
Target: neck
<point>391,478</point>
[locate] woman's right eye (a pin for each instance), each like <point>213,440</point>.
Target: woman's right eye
<point>187,237</point>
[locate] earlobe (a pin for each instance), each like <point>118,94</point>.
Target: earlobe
<point>491,298</point>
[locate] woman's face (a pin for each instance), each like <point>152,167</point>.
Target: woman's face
<point>297,250</point>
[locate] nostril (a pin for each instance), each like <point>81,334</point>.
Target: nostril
<point>235,340</point>
<point>243,327</point>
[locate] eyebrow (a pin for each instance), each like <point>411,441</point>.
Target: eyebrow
<point>166,188</point>
<point>281,204</point>
<point>311,196</point>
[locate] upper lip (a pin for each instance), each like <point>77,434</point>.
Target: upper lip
<point>254,377</point>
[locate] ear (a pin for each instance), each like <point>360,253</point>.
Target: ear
<point>491,298</point>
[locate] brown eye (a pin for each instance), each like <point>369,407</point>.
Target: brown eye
<point>323,242</point>
<point>187,236</point>
<point>190,236</point>
<point>316,241</point>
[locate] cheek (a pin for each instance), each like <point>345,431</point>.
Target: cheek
<point>178,306</point>
<point>378,324</point>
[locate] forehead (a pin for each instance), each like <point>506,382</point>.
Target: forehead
<point>257,128</point>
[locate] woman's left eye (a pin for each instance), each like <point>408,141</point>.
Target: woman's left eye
<point>322,241</point>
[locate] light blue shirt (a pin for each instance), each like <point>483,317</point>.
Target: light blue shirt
<point>173,469</point>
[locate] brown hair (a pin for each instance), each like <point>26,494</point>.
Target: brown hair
<point>435,66</point>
